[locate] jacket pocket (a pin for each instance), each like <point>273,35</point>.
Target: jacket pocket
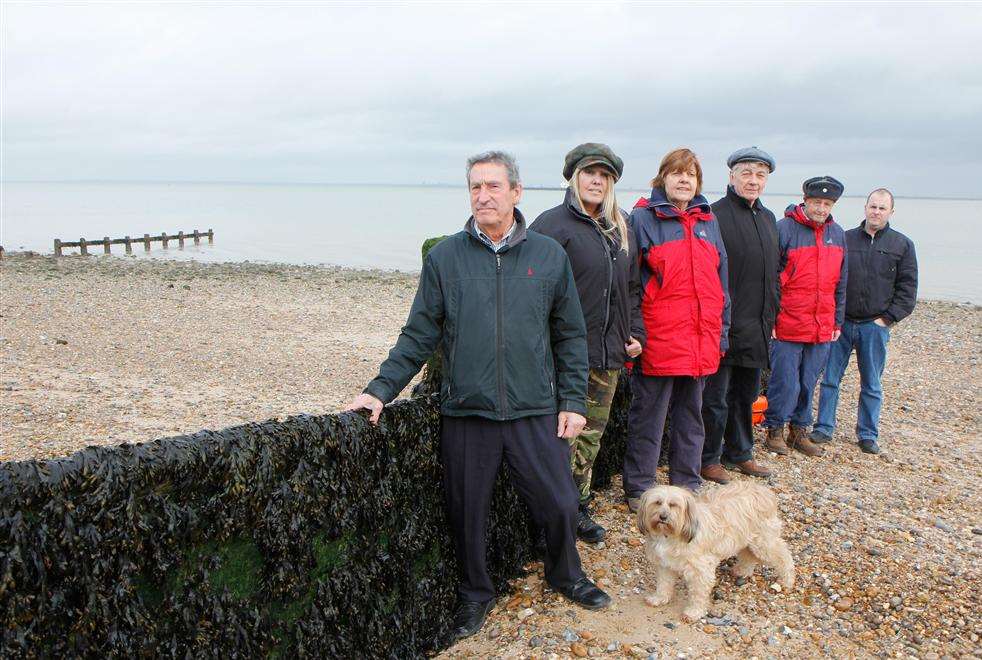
<point>887,262</point>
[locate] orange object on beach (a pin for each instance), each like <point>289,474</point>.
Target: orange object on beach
<point>759,408</point>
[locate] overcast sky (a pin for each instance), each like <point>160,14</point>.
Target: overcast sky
<point>874,95</point>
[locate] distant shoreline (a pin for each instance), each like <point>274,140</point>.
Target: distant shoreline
<point>316,184</point>
<point>247,267</point>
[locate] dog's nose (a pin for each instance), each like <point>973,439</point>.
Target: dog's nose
<point>663,517</point>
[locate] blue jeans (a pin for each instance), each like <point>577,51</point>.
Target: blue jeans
<point>795,368</point>
<point>870,342</point>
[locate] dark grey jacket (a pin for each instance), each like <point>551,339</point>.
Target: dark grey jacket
<point>750,236</point>
<point>882,275</point>
<point>606,277</point>
<point>509,326</point>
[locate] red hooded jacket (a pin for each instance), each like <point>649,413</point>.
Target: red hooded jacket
<point>685,304</point>
<point>813,278</point>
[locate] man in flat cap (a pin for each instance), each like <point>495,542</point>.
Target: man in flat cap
<point>750,236</point>
<point>882,290</point>
<point>813,273</point>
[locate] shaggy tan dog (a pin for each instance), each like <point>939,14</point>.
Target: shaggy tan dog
<point>689,537</point>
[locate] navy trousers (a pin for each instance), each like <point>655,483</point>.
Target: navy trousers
<point>795,368</point>
<point>728,416</point>
<point>651,396</point>
<point>472,449</point>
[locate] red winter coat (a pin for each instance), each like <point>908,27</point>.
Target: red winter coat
<point>813,278</point>
<point>685,304</point>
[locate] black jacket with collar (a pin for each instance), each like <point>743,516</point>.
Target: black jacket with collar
<point>750,236</point>
<point>607,280</point>
<point>882,275</point>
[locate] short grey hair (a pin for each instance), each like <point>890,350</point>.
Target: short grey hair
<point>499,158</point>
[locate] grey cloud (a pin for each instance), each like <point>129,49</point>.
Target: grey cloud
<point>404,94</point>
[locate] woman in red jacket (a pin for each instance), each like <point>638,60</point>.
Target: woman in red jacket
<point>685,307</point>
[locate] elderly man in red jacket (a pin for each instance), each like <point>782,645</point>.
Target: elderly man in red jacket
<point>813,271</point>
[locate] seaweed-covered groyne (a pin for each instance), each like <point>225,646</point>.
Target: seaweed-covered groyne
<point>315,536</point>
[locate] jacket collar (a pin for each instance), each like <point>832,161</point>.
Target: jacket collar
<point>574,206</point>
<point>886,228</point>
<point>731,193</point>
<point>663,208</point>
<point>797,212</point>
<point>517,236</point>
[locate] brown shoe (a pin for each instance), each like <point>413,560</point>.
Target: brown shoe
<point>751,469</point>
<point>775,441</point>
<point>798,439</point>
<point>715,472</point>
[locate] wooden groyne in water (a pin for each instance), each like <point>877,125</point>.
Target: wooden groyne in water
<point>147,239</point>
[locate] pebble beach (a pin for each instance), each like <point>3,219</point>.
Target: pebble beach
<point>106,350</point>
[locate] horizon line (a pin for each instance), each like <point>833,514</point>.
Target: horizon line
<point>424,184</point>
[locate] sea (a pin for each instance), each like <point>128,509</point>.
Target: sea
<point>383,227</point>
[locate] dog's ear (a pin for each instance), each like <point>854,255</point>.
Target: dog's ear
<point>642,513</point>
<point>691,523</point>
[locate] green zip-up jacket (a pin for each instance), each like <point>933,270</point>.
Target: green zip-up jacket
<point>509,325</point>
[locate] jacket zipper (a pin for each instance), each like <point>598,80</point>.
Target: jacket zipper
<point>691,237</point>
<point>763,283</point>
<point>499,336</point>
<point>610,286</point>
<point>820,246</point>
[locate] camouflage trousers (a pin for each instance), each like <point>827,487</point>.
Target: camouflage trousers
<point>599,395</point>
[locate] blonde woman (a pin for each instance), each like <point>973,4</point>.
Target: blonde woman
<point>603,254</point>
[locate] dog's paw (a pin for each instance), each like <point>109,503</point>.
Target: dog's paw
<point>692,614</point>
<point>657,601</point>
<point>788,581</point>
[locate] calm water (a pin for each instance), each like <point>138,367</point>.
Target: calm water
<point>383,227</point>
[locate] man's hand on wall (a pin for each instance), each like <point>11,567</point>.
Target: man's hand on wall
<point>368,402</point>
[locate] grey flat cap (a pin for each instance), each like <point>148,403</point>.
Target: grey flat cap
<point>593,153</point>
<point>824,187</point>
<point>750,154</point>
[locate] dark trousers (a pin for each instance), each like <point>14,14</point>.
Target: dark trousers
<point>651,396</point>
<point>727,414</point>
<point>795,368</point>
<point>472,449</point>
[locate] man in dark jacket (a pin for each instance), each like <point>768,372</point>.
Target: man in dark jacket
<point>750,236</point>
<point>501,304</point>
<point>882,290</point>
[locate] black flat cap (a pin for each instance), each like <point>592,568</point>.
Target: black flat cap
<point>593,153</point>
<point>750,155</point>
<point>824,187</point>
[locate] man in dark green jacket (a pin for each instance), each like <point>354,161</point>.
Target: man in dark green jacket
<point>502,306</point>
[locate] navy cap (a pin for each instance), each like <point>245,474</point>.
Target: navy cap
<point>825,187</point>
<point>750,155</point>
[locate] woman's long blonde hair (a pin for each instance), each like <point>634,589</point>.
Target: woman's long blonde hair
<point>608,208</point>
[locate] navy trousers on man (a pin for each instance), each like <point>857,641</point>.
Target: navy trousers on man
<point>472,449</point>
<point>651,396</point>
<point>795,368</point>
<point>728,415</point>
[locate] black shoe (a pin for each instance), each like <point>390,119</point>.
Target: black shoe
<point>586,594</point>
<point>587,529</point>
<point>819,437</point>
<point>869,446</point>
<point>469,617</point>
